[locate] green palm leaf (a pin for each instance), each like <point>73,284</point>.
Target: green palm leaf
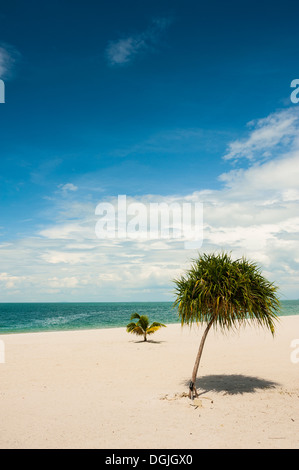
<point>224,293</point>
<point>142,327</point>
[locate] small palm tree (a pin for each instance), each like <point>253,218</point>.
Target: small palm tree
<point>142,327</point>
<point>221,292</point>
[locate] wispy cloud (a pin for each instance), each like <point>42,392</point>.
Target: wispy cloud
<point>254,213</point>
<point>68,187</point>
<point>266,135</point>
<point>8,58</point>
<point>9,281</point>
<point>124,50</point>
<point>180,141</point>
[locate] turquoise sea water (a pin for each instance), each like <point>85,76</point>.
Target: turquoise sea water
<point>32,317</point>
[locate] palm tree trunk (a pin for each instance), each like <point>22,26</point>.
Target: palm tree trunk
<point>192,388</point>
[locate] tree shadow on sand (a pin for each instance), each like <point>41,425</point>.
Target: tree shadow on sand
<point>232,384</point>
<point>151,341</point>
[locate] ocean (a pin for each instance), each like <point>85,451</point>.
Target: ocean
<point>34,317</point>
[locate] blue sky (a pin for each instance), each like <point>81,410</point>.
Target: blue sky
<point>171,99</point>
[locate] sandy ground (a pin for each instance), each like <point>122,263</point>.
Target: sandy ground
<point>106,389</point>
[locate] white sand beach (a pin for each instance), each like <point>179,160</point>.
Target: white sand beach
<point>107,389</point>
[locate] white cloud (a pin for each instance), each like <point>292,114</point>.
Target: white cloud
<point>68,187</point>
<point>81,230</point>
<point>255,213</point>
<point>10,281</point>
<point>68,282</point>
<point>280,128</point>
<point>58,257</point>
<point>4,62</point>
<point>124,50</point>
<point>278,174</point>
<point>8,57</point>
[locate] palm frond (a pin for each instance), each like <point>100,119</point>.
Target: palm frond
<point>155,326</point>
<point>142,327</point>
<point>134,316</point>
<point>135,328</point>
<point>227,292</point>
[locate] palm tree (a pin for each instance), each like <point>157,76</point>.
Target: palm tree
<point>142,327</point>
<point>221,292</point>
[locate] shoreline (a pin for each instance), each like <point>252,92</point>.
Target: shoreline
<point>105,388</point>
<point>102,328</point>
<point>20,318</point>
